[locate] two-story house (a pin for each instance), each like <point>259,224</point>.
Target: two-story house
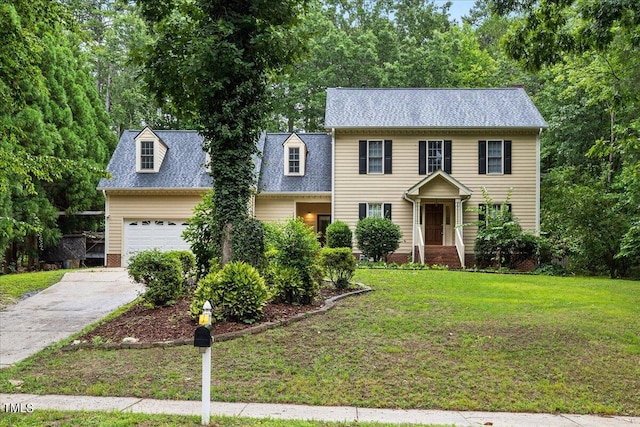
<point>416,156</point>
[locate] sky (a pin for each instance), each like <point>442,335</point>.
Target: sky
<point>458,7</point>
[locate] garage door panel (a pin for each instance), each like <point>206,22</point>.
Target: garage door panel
<point>165,235</point>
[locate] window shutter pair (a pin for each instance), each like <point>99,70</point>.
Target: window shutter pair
<point>386,210</point>
<point>422,157</point>
<point>362,156</point>
<point>482,157</point>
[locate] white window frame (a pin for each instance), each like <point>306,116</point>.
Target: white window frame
<point>431,169</point>
<point>294,142</point>
<point>381,171</point>
<point>379,213</point>
<point>489,170</point>
<point>293,162</point>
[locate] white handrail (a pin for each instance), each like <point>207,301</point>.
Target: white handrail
<point>417,230</point>
<point>460,246</point>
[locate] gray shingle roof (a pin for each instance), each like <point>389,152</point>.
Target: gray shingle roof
<point>431,108</point>
<point>317,175</point>
<point>183,165</point>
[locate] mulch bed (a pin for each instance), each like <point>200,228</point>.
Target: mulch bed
<point>172,323</point>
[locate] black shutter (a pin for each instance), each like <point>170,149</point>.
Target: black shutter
<point>482,157</point>
<point>363,157</point>
<point>386,209</point>
<point>387,156</point>
<point>362,210</point>
<point>447,156</point>
<point>507,157</point>
<point>422,157</point>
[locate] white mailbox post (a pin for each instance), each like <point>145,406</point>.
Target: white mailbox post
<point>203,339</point>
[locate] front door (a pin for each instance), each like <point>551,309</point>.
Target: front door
<point>433,225</point>
<point>323,223</point>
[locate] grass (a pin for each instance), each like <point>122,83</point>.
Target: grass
<point>422,339</point>
<point>117,419</point>
<point>13,286</point>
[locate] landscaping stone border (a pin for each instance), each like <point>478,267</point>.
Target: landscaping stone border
<point>328,305</point>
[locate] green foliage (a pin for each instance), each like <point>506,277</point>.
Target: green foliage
<point>160,272</point>
<point>339,264</point>
<point>339,235</point>
<point>500,240</point>
<point>285,284</point>
<point>202,233</point>
<point>187,261</point>
<point>220,53</point>
<point>237,292</point>
<point>294,245</point>
<point>630,245</point>
<point>377,237</point>
<point>248,242</point>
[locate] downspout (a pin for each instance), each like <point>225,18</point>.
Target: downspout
<point>413,226</point>
<point>106,226</point>
<point>538,183</point>
<point>333,174</point>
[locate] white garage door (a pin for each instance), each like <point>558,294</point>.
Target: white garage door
<point>165,235</point>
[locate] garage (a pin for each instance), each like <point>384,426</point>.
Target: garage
<point>140,235</point>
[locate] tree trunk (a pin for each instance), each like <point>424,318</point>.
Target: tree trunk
<point>107,97</point>
<point>227,246</point>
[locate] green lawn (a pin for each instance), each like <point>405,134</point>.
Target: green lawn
<point>422,339</point>
<point>13,286</point>
<point>116,419</point>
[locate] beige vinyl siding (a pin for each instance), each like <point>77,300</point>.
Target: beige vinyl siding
<point>352,188</point>
<point>279,208</point>
<point>135,206</point>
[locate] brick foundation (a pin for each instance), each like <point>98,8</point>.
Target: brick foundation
<point>113,260</point>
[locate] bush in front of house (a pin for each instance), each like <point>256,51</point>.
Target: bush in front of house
<point>161,273</point>
<point>203,234</point>
<point>293,244</point>
<point>285,284</point>
<point>339,235</point>
<point>377,237</point>
<point>237,292</point>
<point>188,263</point>
<point>339,264</point>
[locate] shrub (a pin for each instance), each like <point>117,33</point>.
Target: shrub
<point>285,284</point>
<point>160,272</point>
<point>294,244</point>
<point>187,261</point>
<point>203,234</point>
<point>248,242</point>
<point>339,264</point>
<point>339,235</point>
<point>377,237</point>
<point>237,292</point>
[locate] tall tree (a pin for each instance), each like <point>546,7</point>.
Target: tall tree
<point>53,125</point>
<point>212,59</point>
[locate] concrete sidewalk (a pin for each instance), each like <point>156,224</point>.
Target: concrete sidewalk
<point>318,413</point>
<point>79,299</point>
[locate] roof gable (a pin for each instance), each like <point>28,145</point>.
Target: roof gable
<point>183,165</point>
<point>439,176</point>
<point>431,108</point>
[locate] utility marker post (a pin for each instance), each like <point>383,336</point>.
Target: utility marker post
<point>203,339</point>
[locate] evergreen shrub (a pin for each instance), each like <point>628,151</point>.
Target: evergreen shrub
<point>237,292</point>
<point>377,237</point>
<point>339,264</point>
<point>339,235</point>
<point>160,272</point>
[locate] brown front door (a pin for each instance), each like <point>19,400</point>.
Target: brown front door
<point>433,225</point>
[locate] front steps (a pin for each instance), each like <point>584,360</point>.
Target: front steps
<point>442,255</point>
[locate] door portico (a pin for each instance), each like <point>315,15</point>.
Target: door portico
<point>437,213</point>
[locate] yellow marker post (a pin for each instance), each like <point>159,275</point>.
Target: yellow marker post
<point>204,319</point>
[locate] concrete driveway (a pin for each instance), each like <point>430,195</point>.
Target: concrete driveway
<point>79,299</point>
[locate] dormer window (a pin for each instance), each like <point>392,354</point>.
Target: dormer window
<point>295,153</point>
<point>150,152</point>
<point>146,155</point>
<point>294,160</point>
